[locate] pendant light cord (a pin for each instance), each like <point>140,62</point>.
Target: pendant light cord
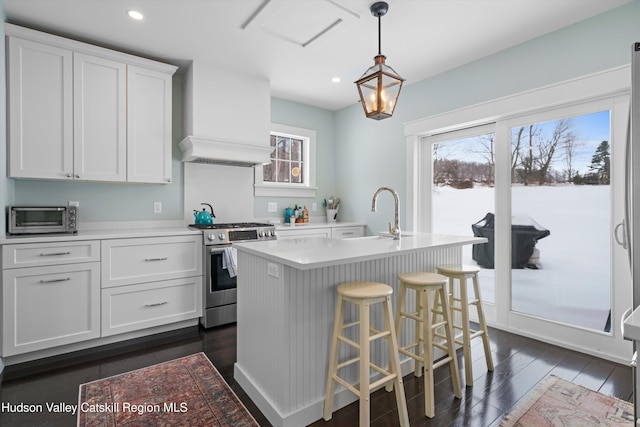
<point>379,35</point>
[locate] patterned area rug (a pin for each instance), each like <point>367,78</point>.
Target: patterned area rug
<point>184,392</point>
<point>559,403</point>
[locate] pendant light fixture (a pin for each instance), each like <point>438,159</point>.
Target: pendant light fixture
<point>379,86</point>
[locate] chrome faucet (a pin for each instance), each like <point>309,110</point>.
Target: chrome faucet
<point>395,231</point>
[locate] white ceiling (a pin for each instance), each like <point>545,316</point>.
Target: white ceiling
<point>300,45</point>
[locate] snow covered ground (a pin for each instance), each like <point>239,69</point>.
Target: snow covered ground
<point>573,285</point>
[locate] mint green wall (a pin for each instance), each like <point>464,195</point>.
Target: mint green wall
<point>322,121</point>
<point>371,154</point>
<point>357,155</point>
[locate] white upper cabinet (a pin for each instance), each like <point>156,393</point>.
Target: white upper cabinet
<point>100,119</point>
<point>82,112</point>
<point>149,131</point>
<point>40,110</point>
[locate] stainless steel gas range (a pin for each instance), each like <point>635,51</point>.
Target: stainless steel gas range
<point>219,260</point>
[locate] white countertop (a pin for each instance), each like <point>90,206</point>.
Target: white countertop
<point>314,252</point>
<point>101,234</point>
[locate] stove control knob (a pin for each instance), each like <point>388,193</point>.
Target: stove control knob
<point>211,236</point>
<point>261,233</point>
<point>221,236</point>
<point>273,233</point>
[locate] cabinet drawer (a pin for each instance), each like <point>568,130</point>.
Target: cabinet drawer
<point>44,307</point>
<point>134,307</point>
<point>346,232</point>
<point>303,232</point>
<point>40,254</point>
<point>133,261</point>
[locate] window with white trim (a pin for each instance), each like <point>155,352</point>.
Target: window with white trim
<point>292,171</point>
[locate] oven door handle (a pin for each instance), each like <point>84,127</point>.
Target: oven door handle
<point>218,249</point>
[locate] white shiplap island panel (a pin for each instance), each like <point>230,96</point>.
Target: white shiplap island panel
<point>286,301</point>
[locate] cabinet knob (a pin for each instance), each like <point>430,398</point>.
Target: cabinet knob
<point>69,175</point>
<point>77,176</point>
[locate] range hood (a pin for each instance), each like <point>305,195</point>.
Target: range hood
<point>229,153</point>
<point>227,117</point>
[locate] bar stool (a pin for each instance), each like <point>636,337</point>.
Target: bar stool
<point>429,288</point>
<point>364,295</point>
<point>458,274</point>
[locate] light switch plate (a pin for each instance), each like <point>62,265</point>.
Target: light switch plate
<point>157,207</point>
<point>272,207</point>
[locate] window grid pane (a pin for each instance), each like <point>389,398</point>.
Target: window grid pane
<point>287,164</point>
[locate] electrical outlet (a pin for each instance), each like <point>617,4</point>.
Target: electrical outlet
<point>157,207</point>
<point>273,270</point>
<point>272,207</point>
<point>73,203</point>
<point>314,207</point>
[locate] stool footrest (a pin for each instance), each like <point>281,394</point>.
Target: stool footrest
<point>346,385</point>
<point>441,362</point>
<point>378,334</point>
<point>415,316</point>
<point>348,341</point>
<point>348,362</point>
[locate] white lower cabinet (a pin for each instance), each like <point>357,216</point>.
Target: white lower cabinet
<point>303,232</point>
<point>60,293</point>
<point>134,307</point>
<point>333,232</point>
<point>150,259</point>
<point>150,281</point>
<point>49,306</point>
<point>347,232</point>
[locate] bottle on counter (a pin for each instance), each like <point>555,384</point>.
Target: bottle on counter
<point>288,214</point>
<point>305,214</point>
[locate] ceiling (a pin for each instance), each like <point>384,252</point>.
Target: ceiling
<point>300,45</point>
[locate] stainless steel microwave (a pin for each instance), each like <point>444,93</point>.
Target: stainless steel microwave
<point>42,220</point>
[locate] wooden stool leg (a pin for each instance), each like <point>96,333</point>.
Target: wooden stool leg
<point>451,347</point>
<point>483,324</point>
<point>365,357</point>
<point>333,360</point>
<point>394,365</point>
<point>466,335</point>
<point>421,345</point>
<point>427,337</point>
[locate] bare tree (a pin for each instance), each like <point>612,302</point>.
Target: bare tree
<point>549,149</point>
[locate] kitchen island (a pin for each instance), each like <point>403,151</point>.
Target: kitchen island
<point>286,301</point>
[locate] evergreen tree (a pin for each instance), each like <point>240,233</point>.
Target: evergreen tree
<point>601,158</point>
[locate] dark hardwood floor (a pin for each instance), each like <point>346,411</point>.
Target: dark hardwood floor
<point>520,364</point>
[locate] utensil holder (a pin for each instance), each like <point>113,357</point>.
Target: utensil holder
<point>332,215</point>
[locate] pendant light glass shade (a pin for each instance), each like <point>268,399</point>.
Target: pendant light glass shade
<point>379,87</point>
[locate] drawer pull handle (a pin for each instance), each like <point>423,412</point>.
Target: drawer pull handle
<point>56,253</point>
<point>155,304</point>
<point>55,280</point>
<point>156,259</point>
<point>347,233</point>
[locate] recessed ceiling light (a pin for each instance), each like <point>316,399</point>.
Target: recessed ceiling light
<point>336,80</point>
<point>135,14</point>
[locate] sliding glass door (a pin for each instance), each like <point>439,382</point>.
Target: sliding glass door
<point>546,190</point>
<point>463,195</point>
<point>561,220</point>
